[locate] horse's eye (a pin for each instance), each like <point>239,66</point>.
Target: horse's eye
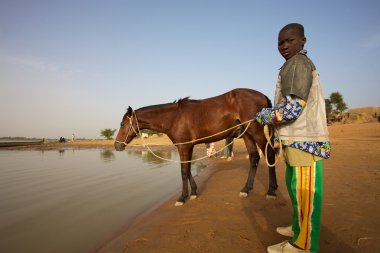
<point>122,124</point>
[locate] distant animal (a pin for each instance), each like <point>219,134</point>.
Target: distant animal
<point>192,122</point>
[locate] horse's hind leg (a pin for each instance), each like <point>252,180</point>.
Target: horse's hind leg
<point>271,157</point>
<point>271,194</point>
<point>254,159</point>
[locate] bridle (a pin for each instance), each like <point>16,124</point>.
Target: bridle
<point>131,128</point>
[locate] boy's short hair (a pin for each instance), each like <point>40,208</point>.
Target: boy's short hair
<point>298,27</point>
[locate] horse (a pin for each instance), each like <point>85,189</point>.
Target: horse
<point>188,122</point>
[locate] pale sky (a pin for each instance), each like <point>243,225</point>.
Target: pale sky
<point>75,66</point>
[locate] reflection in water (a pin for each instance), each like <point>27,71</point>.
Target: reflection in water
<point>149,158</point>
<point>61,152</point>
<point>107,155</point>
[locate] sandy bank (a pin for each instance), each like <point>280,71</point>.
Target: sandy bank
<point>220,221</point>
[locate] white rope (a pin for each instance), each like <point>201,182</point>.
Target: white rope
<point>198,159</point>
<point>269,137</point>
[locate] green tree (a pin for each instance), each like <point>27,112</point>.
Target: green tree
<point>108,133</point>
<point>328,106</point>
<point>337,103</point>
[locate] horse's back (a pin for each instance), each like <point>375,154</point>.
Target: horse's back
<point>206,117</point>
<point>239,94</point>
<point>237,103</point>
<point>242,93</point>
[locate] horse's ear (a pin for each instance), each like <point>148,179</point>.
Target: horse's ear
<point>129,111</point>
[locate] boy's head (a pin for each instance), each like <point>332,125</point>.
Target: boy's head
<point>291,40</point>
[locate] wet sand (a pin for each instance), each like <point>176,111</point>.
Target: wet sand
<point>220,221</point>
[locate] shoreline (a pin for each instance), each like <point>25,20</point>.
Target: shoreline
<point>114,240</point>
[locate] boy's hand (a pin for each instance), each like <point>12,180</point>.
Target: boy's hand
<point>266,116</point>
<point>258,118</point>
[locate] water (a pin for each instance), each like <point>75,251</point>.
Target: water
<point>74,200</point>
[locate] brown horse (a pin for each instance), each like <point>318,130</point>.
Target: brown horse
<point>190,122</point>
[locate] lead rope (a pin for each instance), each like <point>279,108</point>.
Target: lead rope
<point>203,157</point>
<point>269,138</point>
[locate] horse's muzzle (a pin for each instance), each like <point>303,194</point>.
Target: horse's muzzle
<point>119,146</point>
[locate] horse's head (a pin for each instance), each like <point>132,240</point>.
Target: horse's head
<point>128,130</point>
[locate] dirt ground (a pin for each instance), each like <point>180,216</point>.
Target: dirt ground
<point>220,221</point>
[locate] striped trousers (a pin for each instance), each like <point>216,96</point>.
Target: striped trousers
<point>305,188</point>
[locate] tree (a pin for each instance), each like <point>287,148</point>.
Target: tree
<point>337,103</point>
<point>328,106</point>
<point>108,133</point>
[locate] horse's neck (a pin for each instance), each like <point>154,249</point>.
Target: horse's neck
<point>157,119</point>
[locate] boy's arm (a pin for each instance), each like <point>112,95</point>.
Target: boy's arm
<point>287,110</point>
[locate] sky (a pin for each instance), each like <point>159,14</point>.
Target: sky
<point>75,66</point>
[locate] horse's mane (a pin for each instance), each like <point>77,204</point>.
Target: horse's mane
<point>185,99</point>
<point>181,100</point>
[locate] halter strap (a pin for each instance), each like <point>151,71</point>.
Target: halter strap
<point>130,128</point>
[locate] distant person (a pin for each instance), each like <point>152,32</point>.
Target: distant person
<point>228,149</point>
<point>73,137</point>
<point>210,149</point>
<point>300,117</point>
<point>229,143</point>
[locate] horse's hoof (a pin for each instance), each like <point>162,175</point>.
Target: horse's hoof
<point>271,196</point>
<point>178,203</point>
<point>243,194</point>
<point>193,197</point>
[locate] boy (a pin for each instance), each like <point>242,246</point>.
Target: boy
<point>300,118</point>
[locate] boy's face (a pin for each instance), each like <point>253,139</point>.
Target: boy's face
<point>290,42</point>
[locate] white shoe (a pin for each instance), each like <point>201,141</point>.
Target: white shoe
<point>285,231</point>
<point>284,247</point>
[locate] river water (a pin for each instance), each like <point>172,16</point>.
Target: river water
<point>74,200</point>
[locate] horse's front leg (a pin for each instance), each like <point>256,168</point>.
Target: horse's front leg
<point>254,159</point>
<point>193,185</point>
<point>185,189</point>
<point>186,155</point>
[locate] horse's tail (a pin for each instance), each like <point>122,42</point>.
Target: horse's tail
<point>269,103</point>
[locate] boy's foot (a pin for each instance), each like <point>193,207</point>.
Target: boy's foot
<point>284,247</point>
<point>285,231</point>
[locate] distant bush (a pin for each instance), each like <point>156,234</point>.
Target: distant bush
<point>107,133</point>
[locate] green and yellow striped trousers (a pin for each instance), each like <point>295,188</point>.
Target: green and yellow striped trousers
<point>305,187</point>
